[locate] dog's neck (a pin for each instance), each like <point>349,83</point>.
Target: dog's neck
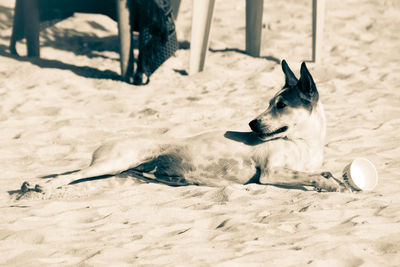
<point>319,122</point>
<point>303,152</point>
<point>313,132</point>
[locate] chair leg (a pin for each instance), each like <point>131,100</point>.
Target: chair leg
<point>254,13</point>
<point>318,29</point>
<point>201,25</point>
<point>18,27</point>
<point>31,26</point>
<point>125,39</point>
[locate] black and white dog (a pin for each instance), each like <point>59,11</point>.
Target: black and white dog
<point>285,147</point>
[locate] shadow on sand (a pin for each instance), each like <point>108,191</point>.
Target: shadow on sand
<point>84,71</point>
<point>6,17</point>
<point>270,58</point>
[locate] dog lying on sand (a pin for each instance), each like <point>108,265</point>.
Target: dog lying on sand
<point>284,148</point>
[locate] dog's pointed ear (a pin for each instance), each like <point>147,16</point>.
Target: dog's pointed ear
<point>290,78</point>
<point>307,86</point>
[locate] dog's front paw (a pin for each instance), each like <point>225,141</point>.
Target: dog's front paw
<point>327,182</point>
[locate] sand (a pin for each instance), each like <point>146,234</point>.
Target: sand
<point>56,110</point>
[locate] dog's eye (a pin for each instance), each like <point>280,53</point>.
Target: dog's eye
<point>280,105</point>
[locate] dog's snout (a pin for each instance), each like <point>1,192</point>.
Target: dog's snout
<point>254,125</point>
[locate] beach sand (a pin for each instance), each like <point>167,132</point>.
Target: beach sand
<point>56,110</point>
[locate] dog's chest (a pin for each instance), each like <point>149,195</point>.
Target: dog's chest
<point>298,156</point>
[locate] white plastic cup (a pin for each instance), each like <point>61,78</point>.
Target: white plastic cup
<point>361,175</point>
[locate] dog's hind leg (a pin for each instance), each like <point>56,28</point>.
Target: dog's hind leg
<point>108,159</point>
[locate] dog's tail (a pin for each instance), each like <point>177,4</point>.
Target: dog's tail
<point>92,172</point>
<point>153,177</point>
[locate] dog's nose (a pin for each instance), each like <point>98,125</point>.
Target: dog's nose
<point>254,125</point>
